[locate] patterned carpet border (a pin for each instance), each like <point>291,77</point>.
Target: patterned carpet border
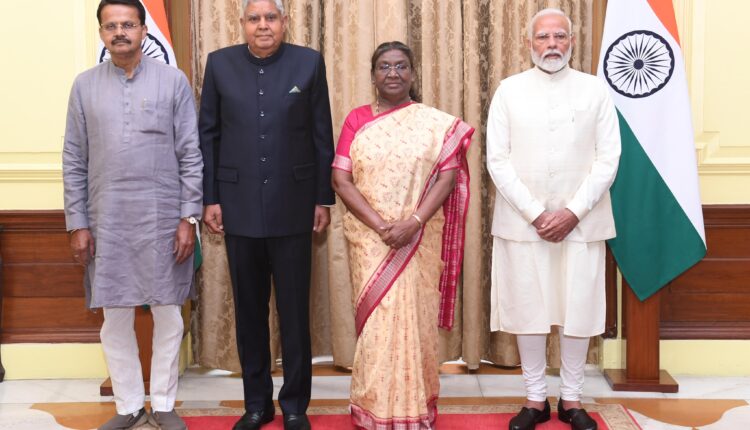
<point>615,416</point>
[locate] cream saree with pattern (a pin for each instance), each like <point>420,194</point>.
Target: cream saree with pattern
<point>403,295</point>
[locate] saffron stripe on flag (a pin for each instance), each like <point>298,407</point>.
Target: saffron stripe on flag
<point>664,10</point>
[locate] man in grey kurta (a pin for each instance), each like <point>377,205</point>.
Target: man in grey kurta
<point>132,171</point>
<point>133,190</point>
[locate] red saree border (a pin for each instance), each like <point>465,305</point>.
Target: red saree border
<point>455,209</point>
<point>364,419</point>
<point>382,279</point>
<point>456,143</point>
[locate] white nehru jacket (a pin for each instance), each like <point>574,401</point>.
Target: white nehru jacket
<point>553,142</point>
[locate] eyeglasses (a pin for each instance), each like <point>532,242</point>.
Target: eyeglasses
<point>255,19</point>
<point>560,36</point>
<point>386,68</point>
<point>111,27</point>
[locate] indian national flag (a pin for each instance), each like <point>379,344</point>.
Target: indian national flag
<point>158,42</point>
<point>655,197</point>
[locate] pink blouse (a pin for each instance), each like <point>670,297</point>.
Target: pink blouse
<point>356,119</point>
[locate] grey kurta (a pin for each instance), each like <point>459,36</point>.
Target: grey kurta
<point>131,170</point>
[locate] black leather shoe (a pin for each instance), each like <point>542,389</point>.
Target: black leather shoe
<point>253,420</point>
<point>296,422</point>
<point>578,419</point>
<point>528,418</point>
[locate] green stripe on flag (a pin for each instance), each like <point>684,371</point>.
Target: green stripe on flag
<point>197,255</point>
<point>655,239</point>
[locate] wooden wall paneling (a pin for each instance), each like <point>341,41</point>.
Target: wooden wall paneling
<point>711,300</point>
<point>43,287</point>
<point>66,313</point>
<point>44,280</point>
<point>676,330</point>
<point>2,369</point>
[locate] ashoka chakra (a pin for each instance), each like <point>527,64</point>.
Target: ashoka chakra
<point>638,64</point>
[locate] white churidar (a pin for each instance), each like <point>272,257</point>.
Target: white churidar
<point>533,351</point>
<point>121,353</point>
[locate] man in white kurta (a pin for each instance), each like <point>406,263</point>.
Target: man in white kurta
<point>553,147</point>
<point>132,173</point>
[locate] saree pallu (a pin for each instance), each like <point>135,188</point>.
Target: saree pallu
<point>403,295</point>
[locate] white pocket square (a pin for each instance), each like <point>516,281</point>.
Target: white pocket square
<point>295,90</point>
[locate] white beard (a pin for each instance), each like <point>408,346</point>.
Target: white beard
<point>551,65</point>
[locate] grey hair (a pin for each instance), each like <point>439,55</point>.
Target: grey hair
<point>545,12</point>
<point>278,3</point>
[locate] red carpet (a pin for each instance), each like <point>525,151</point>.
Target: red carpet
<point>343,422</point>
<point>457,416</point>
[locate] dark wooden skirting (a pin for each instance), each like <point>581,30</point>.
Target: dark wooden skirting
<point>53,335</point>
<point>43,295</point>
<point>704,330</point>
<point>711,300</point>
<point>2,369</point>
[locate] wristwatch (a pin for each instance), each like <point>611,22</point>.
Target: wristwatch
<point>192,220</point>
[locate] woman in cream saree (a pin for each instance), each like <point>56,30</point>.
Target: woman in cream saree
<point>395,171</point>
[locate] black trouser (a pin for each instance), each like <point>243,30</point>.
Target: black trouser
<point>252,264</point>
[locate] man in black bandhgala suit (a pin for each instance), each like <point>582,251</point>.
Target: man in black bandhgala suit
<point>267,141</point>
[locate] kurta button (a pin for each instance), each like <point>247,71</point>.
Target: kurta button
<point>263,137</point>
<point>262,113</point>
<point>260,92</point>
<point>263,159</point>
<point>265,181</point>
<point>261,71</point>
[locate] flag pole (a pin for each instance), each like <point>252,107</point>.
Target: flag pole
<point>641,329</point>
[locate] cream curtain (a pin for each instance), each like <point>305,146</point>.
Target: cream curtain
<point>463,49</point>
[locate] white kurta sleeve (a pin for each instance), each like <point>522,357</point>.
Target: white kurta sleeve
<point>604,168</point>
<point>506,180</point>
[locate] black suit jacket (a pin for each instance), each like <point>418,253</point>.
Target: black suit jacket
<point>267,140</point>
